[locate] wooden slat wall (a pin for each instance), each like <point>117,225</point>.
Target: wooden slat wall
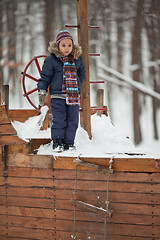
<point>8,135</point>
<point>27,204</point>
<point>35,202</point>
<point>134,198</point>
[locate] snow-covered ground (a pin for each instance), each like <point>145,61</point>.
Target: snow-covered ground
<point>106,140</point>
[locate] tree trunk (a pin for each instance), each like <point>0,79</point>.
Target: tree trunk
<point>136,59</point>
<point>1,51</point>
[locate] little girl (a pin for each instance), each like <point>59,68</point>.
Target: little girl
<point>63,71</point>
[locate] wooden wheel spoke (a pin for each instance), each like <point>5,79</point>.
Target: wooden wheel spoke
<point>32,91</point>
<point>31,77</point>
<point>38,66</point>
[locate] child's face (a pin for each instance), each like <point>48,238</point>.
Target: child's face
<point>66,46</point>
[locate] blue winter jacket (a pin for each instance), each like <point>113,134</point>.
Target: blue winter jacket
<point>52,73</point>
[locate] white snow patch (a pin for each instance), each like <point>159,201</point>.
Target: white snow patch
<point>106,138</point>
<point>31,127</point>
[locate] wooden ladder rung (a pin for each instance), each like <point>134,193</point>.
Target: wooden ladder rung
<point>92,207</point>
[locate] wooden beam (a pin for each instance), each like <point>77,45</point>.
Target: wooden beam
<point>100,93</point>
<point>82,22</point>
<point>5,95</point>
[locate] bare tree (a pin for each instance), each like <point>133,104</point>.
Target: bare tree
<point>152,26</point>
<point>136,60</point>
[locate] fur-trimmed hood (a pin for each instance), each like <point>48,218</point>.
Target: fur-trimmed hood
<point>77,51</point>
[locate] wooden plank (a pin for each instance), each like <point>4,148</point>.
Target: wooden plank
<point>116,217</point>
<point>27,211</point>
<point>8,140</point>
<point>98,175</point>
<point>18,148</point>
<point>5,95</point>
<point>119,164</point>
<point>28,222</point>
<point>120,197</point>
<point>61,235</point>
<point>121,208</point>
<point>82,22</point>
<point>113,186</point>
<point>7,129</point>
<point>17,238</point>
<point>21,114</point>
<point>34,144</point>
<point>95,196</point>
<point>29,172</point>
<point>94,227</point>
<point>43,192</point>
<point>116,229</point>
<point>1,172</point>
<point>100,99</point>
<point>2,181</point>
<point>3,113</point>
<point>27,202</point>
<point>31,233</point>
<point>3,232</point>
<point>30,182</point>
<point>33,161</point>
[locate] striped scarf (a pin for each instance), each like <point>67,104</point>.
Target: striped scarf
<point>70,85</point>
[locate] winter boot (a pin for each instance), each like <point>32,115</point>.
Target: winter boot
<point>58,145</point>
<point>69,147</point>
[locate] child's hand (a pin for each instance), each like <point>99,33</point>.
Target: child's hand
<point>41,95</point>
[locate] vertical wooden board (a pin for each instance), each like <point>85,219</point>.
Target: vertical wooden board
<point>82,21</point>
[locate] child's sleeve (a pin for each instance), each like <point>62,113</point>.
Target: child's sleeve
<point>81,70</point>
<point>46,75</point>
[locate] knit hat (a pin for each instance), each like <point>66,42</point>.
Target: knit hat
<point>63,35</point>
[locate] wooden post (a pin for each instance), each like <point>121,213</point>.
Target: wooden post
<point>100,101</point>
<point>5,95</point>
<point>82,22</point>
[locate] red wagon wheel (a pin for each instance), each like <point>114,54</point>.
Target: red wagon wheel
<point>30,87</point>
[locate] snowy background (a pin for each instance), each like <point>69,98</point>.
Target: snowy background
<point>128,41</point>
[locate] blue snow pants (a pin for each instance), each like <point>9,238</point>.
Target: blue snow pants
<point>65,120</point>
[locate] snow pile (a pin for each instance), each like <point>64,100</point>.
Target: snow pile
<point>106,138</point>
<point>31,127</point>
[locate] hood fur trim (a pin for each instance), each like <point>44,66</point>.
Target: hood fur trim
<point>77,51</point>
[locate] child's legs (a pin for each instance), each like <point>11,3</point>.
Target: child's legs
<point>58,109</point>
<point>72,116</point>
